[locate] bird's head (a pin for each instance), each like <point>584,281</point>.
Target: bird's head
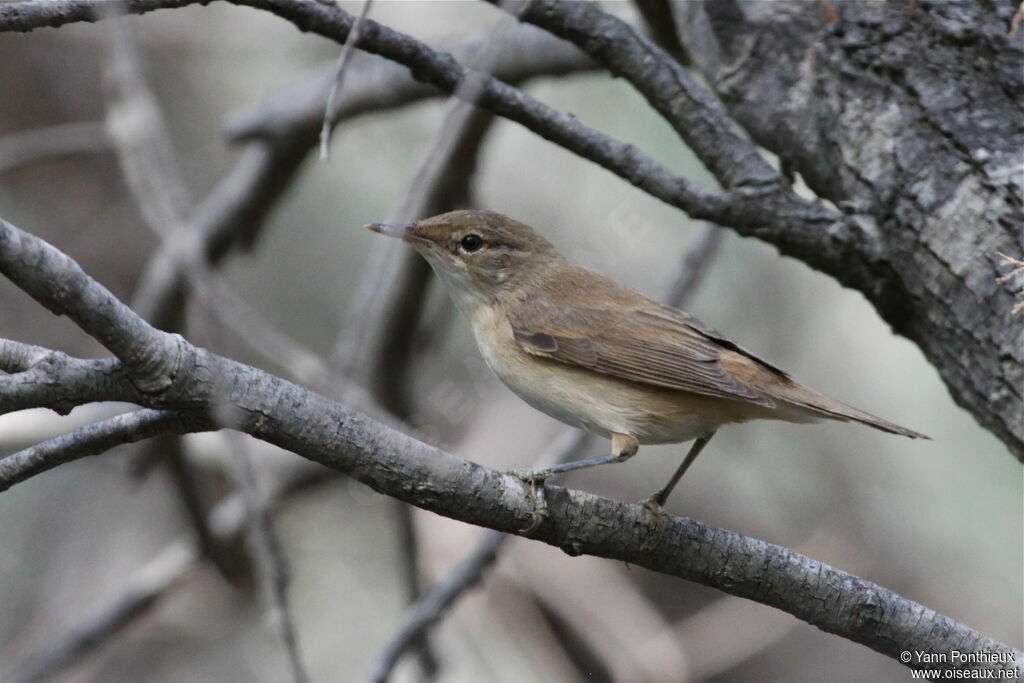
<point>480,256</point>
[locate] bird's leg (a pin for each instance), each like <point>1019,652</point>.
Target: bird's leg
<point>656,501</point>
<point>624,447</point>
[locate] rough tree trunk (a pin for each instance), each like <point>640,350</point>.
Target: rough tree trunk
<point>911,117</point>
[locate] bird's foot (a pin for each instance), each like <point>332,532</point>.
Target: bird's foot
<point>654,506</point>
<point>537,497</point>
<point>532,477</point>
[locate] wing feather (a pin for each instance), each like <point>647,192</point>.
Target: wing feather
<point>656,345</point>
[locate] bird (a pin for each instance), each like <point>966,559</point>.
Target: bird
<point>598,355</point>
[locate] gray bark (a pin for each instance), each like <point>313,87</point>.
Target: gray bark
<point>911,119</point>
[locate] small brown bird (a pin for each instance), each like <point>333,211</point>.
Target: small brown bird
<point>597,355</point>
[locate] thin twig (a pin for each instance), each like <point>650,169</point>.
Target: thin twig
<point>339,75</point>
<point>428,610</point>
<point>781,217</point>
<point>136,125</point>
<point>374,84</point>
<point>146,155</point>
<point>94,439</point>
<point>144,148</point>
<point>698,255</point>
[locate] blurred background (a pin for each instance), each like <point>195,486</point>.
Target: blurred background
<point>938,521</point>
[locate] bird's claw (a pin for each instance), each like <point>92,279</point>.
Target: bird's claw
<point>532,477</point>
<point>653,505</point>
<point>537,497</point>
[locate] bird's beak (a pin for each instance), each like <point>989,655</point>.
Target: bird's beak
<point>403,231</point>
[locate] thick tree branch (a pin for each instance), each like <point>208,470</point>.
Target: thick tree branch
<point>392,463</point>
<point>915,123</point>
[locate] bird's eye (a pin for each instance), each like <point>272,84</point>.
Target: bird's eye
<point>471,243</point>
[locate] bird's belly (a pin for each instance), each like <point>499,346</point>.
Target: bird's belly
<point>601,404</point>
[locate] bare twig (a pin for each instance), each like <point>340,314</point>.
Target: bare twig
<point>339,76</point>
<point>384,267</point>
<point>694,113</point>
<point>137,127</point>
<point>95,439</point>
<point>699,254</point>
<point>230,215</point>
<point>146,156</point>
<point>374,84</point>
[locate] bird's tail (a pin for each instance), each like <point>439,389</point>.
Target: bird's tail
<point>820,405</point>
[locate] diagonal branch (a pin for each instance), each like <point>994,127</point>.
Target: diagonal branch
<point>339,76</point>
<point>687,106</point>
<point>397,465</point>
<point>94,439</point>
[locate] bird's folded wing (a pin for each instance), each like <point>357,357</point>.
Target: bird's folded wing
<point>655,345</point>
